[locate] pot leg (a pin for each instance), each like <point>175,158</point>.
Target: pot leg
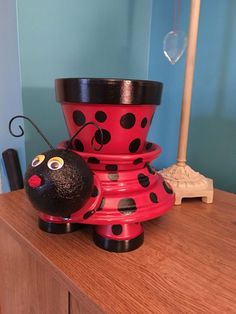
<point>119,238</point>
<point>58,228</point>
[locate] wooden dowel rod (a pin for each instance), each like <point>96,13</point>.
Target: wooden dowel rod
<point>188,81</point>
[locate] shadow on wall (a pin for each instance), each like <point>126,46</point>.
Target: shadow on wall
<point>214,137</point>
<point>40,105</point>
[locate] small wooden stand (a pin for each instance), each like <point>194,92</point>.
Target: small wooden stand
<point>185,181</point>
<point>188,183</point>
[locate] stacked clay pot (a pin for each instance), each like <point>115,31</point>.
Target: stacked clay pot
<point>127,189</point>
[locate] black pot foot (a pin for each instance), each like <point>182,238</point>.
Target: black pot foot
<point>118,246</point>
<point>58,228</point>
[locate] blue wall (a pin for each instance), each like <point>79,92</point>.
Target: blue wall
<point>125,39</point>
<point>165,125</point>
<point>212,143</point>
<point>10,87</point>
<point>77,38</point>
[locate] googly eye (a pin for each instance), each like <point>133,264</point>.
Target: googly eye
<point>55,163</point>
<point>37,160</point>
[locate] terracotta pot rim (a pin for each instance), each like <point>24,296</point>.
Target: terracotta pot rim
<point>150,149</point>
<point>108,91</point>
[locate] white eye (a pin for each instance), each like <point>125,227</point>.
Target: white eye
<point>37,160</point>
<point>55,163</point>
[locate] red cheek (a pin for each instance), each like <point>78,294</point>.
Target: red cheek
<point>34,181</point>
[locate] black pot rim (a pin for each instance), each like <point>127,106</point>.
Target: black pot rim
<point>108,91</point>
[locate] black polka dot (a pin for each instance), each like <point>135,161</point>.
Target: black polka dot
<point>94,192</point>
<point>113,176</point>
<point>93,160</point>
<point>79,117</point>
<point>153,197</point>
<point>127,206</point>
<point>100,207</point>
<point>134,145</point>
<point>143,180</point>
<point>148,146</point>
<point>150,169</point>
<point>127,121</point>
<point>111,167</point>
<point>137,161</point>
<point>167,188</point>
<point>105,138</point>
<point>88,214</point>
<point>116,229</point>
<point>100,116</point>
<point>144,122</point>
<point>79,145</point>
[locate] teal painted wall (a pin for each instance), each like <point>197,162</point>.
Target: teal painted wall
<point>212,143</point>
<point>125,39</point>
<point>76,38</point>
<point>10,86</point>
<point>165,125</point>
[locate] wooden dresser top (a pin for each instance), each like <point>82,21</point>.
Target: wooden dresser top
<point>187,263</point>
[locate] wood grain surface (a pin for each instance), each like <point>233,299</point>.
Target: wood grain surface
<point>187,263</point>
<point>27,287</point>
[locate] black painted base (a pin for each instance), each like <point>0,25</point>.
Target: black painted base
<point>118,246</point>
<point>61,228</point>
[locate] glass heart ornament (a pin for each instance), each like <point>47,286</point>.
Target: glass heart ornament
<point>174,45</point>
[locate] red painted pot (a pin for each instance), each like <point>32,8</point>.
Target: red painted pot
<point>123,109</point>
<point>126,188</point>
<point>119,162</point>
<point>125,194</point>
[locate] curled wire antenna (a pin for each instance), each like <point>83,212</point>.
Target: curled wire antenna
<point>22,131</point>
<point>69,144</point>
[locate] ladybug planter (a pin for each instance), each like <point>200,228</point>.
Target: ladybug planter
<point>102,176</point>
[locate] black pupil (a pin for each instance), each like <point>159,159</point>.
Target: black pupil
<point>36,161</point>
<point>54,165</point>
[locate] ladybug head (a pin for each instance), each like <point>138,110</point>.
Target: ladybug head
<point>58,182</point>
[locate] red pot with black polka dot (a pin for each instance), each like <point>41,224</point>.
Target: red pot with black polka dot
<point>113,117</point>
<point>123,109</point>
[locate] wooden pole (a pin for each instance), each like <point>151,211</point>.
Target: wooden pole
<point>185,181</point>
<point>188,81</point>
